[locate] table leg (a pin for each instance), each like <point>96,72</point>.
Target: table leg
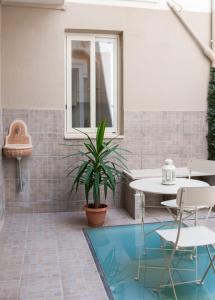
<point>142,197</point>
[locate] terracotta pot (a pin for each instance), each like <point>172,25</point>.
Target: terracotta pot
<point>96,216</point>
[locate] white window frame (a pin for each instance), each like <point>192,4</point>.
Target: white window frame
<point>92,38</point>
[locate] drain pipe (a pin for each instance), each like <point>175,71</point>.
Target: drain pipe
<point>211,94</point>
<point>213,28</point>
<point>205,48</point>
<point>21,183</point>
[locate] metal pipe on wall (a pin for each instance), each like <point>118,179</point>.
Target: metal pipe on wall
<point>213,28</point>
<point>205,48</point>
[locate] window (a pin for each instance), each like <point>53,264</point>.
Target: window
<point>92,79</point>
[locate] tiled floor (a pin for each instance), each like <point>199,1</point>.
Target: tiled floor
<point>46,257</point>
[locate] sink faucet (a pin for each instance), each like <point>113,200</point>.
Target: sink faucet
<point>17,130</point>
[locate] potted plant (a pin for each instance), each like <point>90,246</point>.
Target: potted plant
<point>100,166</point>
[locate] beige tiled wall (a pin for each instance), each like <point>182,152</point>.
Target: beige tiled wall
<point>150,136</point>
<point>2,198</point>
<point>154,136</point>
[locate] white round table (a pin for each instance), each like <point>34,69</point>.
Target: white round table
<point>154,185</point>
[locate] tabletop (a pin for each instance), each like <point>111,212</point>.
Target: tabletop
<point>154,185</point>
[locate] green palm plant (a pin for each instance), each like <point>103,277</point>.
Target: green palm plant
<point>100,166</point>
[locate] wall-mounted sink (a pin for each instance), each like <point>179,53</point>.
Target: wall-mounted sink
<point>18,144</point>
<point>17,150</point>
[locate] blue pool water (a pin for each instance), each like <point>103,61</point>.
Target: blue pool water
<point>116,250</point>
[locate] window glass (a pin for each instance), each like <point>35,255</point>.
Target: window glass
<point>80,84</point>
<point>105,82</point>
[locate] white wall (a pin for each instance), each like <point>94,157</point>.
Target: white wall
<point>163,68</point>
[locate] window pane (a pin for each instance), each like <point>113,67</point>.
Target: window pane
<point>104,82</point>
<point>80,84</point>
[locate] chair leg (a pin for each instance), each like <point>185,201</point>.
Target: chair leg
<point>139,266</point>
<point>162,277</point>
<point>174,216</point>
<point>207,270</point>
<point>142,197</point>
<point>194,255</point>
<point>208,214</point>
<point>196,217</point>
<point>170,273</point>
<point>211,258</point>
<point>140,254</point>
<point>173,285</point>
<point>196,263</point>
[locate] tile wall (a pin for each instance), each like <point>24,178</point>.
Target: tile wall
<point>150,136</point>
<point>2,198</point>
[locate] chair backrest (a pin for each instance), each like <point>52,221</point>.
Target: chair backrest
<point>202,165</point>
<point>193,197</point>
<point>196,196</point>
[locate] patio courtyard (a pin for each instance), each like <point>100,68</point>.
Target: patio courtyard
<point>107,162</point>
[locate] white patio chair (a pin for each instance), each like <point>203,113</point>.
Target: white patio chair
<point>207,167</point>
<point>189,237</point>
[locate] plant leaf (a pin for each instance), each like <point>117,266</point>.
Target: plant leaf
<point>100,136</point>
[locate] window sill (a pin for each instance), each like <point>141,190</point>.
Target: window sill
<point>79,136</point>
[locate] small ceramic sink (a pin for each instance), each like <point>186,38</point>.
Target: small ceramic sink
<point>17,150</point>
<point>18,142</point>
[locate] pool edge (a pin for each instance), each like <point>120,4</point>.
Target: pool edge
<point>98,265</point>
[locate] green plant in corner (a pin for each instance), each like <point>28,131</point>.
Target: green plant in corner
<point>100,167</point>
<point>211,116</point>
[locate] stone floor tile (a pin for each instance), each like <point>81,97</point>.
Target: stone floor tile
<point>10,272</point>
<point>40,258</point>
<point>93,296</point>
<point>9,290</point>
<point>41,287</point>
<point>40,270</point>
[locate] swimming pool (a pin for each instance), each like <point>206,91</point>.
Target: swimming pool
<point>116,250</point>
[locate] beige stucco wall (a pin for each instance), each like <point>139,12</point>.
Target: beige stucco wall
<point>2,195</point>
<point>163,68</point>
<point>0,50</point>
